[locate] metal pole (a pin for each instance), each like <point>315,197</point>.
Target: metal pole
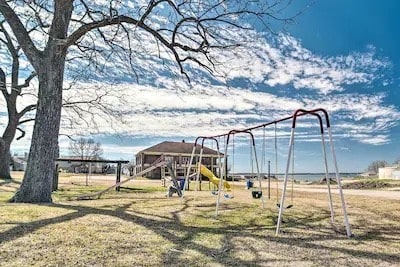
<point>251,159</point>
<point>90,170</point>
<point>55,178</point>
<point>269,179</point>
<point>346,219</point>
<point>188,172</point>
<point>221,177</point>
<point>198,170</point>
<point>87,176</point>
<point>118,175</point>
<point>278,225</point>
<point>233,165</point>
<point>326,177</point>
<point>258,174</point>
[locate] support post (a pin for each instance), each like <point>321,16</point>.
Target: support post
<point>188,172</point>
<point>55,178</point>
<point>222,170</point>
<point>90,170</point>
<point>198,179</point>
<point>278,225</point>
<point>339,182</point>
<point>269,179</point>
<point>118,188</point>
<point>327,178</point>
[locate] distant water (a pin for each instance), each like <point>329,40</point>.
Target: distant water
<point>306,176</point>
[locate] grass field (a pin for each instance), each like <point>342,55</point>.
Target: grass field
<point>143,228</point>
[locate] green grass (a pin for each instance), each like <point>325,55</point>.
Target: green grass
<point>143,228</point>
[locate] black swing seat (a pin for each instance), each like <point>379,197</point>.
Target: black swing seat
<point>287,207</point>
<point>256,194</point>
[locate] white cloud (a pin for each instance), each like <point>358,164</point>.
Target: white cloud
<point>282,60</point>
<point>376,140</point>
<point>207,110</point>
<point>270,59</point>
<point>164,104</point>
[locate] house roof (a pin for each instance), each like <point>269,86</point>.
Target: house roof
<point>178,147</point>
<point>393,167</point>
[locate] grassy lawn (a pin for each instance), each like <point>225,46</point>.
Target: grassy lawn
<point>143,228</point>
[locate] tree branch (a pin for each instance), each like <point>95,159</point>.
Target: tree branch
<point>27,81</point>
<point>21,34</point>
<point>3,87</point>
<point>25,121</point>
<point>24,111</point>
<point>22,133</point>
<point>15,58</point>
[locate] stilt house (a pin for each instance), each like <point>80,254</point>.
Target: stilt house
<point>180,153</point>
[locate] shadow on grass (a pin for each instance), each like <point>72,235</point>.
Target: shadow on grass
<point>184,236</point>
<point>9,181</point>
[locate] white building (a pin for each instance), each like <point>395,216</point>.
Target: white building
<point>390,172</point>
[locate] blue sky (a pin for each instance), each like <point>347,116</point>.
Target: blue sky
<point>339,55</point>
<point>339,27</point>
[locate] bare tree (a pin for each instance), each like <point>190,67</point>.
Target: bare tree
<point>375,165</point>
<point>74,107</point>
<point>186,31</point>
<point>15,118</point>
<point>85,148</point>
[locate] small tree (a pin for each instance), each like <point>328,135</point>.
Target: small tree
<point>85,149</point>
<point>375,165</point>
<point>11,95</point>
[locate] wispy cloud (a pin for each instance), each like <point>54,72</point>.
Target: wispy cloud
<point>207,110</point>
<point>282,60</point>
<point>165,105</point>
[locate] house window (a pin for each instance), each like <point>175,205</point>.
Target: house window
<point>169,159</point>
<point>185,160</point>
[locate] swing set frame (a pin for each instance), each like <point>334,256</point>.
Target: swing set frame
<point>319,113</point>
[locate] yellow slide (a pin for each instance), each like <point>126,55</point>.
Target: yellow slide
<point>213,179</point>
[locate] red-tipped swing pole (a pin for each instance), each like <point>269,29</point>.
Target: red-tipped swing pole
<point>338,179</point>
<point>299,112</point>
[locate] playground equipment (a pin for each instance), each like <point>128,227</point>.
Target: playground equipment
<point>213,179</point>
<point>199,158</point>
<point>298,113</point>
<point>257,193</point>
<point>221,186</point>
<point>175,186</point>
<point>276,171</point>
<point>90,161</point>
<point>156,164</point>
<point>222,183</point>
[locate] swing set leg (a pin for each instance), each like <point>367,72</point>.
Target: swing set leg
<point>281,205</point>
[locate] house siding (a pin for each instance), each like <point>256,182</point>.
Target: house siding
<point>180,161</point>
<point>389,173</point>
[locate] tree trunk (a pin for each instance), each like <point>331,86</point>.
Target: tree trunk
<point>38,179</point>
<point>5,139</point>
<point>8,137</point>
<point>37,183</point>
<point>5,159</point>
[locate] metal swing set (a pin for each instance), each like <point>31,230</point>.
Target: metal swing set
<point>319,114</point>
